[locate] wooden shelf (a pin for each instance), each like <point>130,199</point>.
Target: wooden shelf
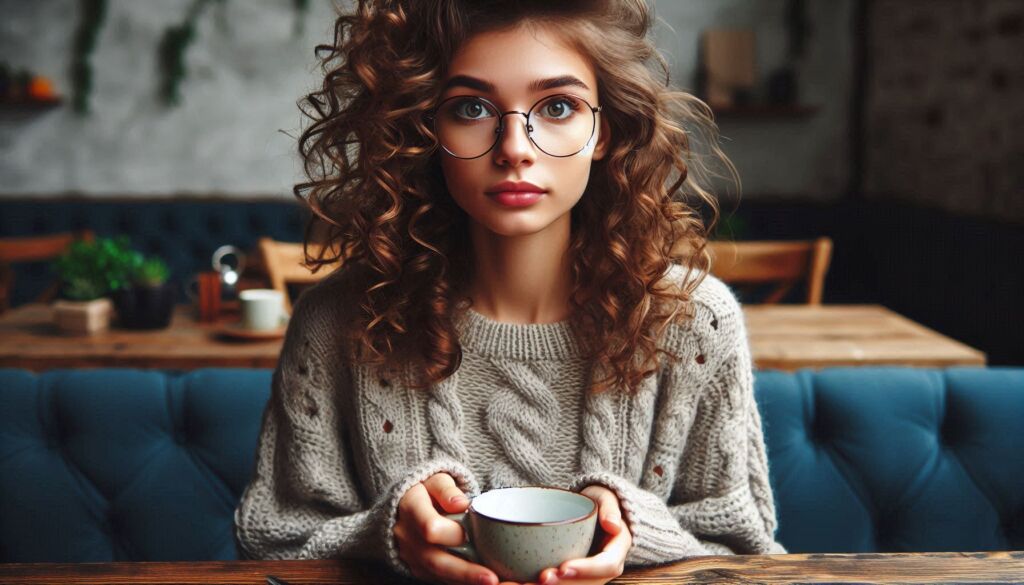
<point>26,104</point>
<point>755,111</point>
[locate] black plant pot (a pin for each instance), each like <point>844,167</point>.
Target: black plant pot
<point>145,306</point>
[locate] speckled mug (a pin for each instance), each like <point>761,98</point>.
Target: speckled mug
<point>518,532</point>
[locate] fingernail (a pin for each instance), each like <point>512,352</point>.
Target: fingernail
<point>457,499</point>
<point>570,572</point>
<point>484,579</point>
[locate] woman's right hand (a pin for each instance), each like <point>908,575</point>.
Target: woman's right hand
<point>422,534</point>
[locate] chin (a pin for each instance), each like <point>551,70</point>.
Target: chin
<point>514,227</point>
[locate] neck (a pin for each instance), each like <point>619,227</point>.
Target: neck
<point>522,279</point>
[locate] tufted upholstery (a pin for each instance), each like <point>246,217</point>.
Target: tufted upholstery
<point>896,459</point>
<point>125,464</point>
<point>118,464</point>
<point>184,232</point>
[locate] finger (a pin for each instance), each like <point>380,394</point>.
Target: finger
<point>608,509</point>
<point>600,566</point>
<point>619,544</point>
<point>429,525</point>
<point>609,513</point>
<point>610,562</point>
<point>548,576</point>
<point>450,568</point>
<point>443,490</point>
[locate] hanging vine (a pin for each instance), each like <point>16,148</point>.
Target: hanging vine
<point>301,9</point>
<point>92,13</point>
<point>171,52</point>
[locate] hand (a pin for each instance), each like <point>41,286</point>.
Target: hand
<point>422,534</point>
<point>610,562</point>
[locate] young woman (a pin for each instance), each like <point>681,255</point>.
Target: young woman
<point>506,182</point>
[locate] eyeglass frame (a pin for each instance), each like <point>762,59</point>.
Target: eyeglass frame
<point>594,110</point>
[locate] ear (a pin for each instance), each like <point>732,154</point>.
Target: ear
<point>603,138</point>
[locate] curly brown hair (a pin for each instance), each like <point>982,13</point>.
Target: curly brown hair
<point>378,194</point>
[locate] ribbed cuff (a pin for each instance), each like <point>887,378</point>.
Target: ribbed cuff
<point>463,479</point>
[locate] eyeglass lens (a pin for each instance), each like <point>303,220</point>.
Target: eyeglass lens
<point>468,127</point>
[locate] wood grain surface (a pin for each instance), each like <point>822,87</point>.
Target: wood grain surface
<point>952,567</point>
<point>790,337</point>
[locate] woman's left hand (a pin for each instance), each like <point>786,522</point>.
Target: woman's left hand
<point>607,564</point>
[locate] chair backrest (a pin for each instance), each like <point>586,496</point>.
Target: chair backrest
<point>32,249</point>
<point>784,263</point>
<point>285,262</point>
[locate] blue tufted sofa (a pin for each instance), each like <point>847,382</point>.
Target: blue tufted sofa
<point>118,464</point>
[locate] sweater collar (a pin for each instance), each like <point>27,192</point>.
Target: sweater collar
<point>517,341</point>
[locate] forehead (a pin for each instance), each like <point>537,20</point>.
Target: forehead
<point>512,59</point>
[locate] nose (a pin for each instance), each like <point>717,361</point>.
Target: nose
<point>514,146</point>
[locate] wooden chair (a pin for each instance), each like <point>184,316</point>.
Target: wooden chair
<point>284,263</point>
<point>784,263</point>
<point>14,250</point>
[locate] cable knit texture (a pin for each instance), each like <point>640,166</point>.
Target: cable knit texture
<point>340,446</point>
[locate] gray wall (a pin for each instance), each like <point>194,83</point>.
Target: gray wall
<point>228,135</point>
<point>800,157</point>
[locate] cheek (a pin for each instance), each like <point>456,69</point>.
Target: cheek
<point>572,176</point>
<point>462,179</point>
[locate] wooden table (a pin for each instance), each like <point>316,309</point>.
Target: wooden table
<point>29,339</point>
<point>788,337</point>
<point>783,337</point>
<point>991,567</point>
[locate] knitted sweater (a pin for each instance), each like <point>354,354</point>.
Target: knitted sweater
<point>339,446</point>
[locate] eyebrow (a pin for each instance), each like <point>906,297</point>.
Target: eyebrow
<point>536,85</point>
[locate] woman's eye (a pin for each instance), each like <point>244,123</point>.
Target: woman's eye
<point>471,110</point>
<point>560,108</point>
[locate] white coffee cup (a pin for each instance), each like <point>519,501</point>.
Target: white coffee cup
<point>262,309</point>
<point>519,531</point>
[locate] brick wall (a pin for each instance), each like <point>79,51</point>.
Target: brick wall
<point>944,106</point>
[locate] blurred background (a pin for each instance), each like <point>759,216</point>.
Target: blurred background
<point>887,126</point>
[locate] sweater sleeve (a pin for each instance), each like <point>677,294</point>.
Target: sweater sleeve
<point>305,500</point>
<point>721,500</point>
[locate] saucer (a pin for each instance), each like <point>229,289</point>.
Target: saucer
<point>237,331</point>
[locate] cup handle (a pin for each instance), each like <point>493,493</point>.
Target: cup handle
<point>466,550</point>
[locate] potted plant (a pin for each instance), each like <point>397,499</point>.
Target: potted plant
<point>147,300</point>
<point>88,272</point>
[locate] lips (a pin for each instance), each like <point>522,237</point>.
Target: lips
<point>515,187</point>
<point>516,193</point>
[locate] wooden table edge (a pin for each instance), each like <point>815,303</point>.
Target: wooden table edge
<point>961,567</point>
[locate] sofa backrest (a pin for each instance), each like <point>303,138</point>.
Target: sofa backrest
<point>893,459</point>
<point>120,464</point>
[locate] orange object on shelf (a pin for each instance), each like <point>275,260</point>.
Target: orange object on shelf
<point>41,88</point>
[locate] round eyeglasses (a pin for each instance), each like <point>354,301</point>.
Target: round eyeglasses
<point>469,126</point>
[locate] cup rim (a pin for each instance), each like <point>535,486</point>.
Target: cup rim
<point>260,294</point>
<point>593,509</point>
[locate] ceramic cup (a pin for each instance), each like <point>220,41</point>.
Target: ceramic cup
<point>520,531</point>
<point>262,309</point>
